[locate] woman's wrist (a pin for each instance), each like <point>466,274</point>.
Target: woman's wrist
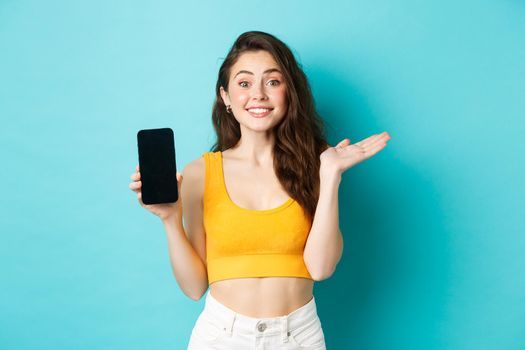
<point>172,222</point>
<point>327,174</point>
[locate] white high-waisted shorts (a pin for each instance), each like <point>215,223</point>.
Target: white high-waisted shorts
<point>219,327</point>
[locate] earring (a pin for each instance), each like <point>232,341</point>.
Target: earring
<point>228,109</point>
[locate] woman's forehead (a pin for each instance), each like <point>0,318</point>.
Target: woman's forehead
<point>259,62</point>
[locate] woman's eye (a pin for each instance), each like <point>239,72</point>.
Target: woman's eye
<point>273,82</point>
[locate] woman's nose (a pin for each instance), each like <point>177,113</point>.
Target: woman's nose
<point>258,92</point>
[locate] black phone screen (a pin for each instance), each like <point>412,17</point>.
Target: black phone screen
<point>158,169</point>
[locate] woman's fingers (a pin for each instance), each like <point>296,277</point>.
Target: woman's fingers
<point>373,144</point>
<point>139,197</point>
<point>135,176</point>
<point>135,185</point>
<point>374,140</point>
<point>344,142</point>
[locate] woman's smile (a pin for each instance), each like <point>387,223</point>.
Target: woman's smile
<point>259,112</point>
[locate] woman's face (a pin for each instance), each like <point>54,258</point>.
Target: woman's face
<point>256,81</point>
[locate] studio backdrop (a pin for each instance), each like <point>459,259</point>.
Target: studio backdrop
<point>433,225</point>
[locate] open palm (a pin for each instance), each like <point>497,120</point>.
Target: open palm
<point>345,155</point>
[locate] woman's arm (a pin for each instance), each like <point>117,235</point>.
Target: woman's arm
<point>324,246</point>
<point>187,266</point>
<point>187,243</point>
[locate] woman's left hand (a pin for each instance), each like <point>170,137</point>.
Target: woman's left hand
<point>336,160</point>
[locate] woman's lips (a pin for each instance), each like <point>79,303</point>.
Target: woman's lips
<point>259,115</point>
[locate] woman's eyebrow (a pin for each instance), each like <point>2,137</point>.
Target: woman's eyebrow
<point>271,70</point>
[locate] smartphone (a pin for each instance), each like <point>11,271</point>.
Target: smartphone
<point>157,166</point>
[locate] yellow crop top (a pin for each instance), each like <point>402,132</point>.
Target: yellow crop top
<point>242,242</point>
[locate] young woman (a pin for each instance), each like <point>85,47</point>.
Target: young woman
<point>261,209</point>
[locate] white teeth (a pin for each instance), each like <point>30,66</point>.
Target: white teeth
<point>258,110</point>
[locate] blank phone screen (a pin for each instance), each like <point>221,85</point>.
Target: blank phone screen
<point>158,170</point>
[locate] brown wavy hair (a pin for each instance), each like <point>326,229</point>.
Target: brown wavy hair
<point>299,137</point>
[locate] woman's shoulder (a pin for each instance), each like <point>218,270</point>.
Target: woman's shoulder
<point>194,173</point>
<point>197,166</point>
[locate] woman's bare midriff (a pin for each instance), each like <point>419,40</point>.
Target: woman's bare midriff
<point>263,297</point>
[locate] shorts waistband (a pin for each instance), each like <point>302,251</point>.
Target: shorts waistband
<point>231,319</point>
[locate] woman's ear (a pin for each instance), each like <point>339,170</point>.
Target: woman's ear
<point>225,97</point>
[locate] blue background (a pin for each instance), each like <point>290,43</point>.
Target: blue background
<point>433,224</point>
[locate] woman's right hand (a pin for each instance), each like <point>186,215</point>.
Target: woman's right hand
<point>165,211</point>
